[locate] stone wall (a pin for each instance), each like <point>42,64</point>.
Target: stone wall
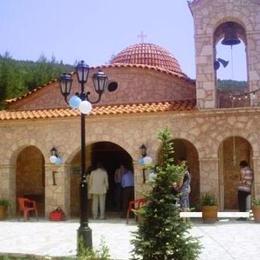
<point>205,130</point>
<point>208,15</point>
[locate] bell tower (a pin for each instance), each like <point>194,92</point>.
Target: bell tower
<point>229,22</point>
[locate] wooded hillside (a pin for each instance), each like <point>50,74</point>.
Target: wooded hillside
<point>17,77</point>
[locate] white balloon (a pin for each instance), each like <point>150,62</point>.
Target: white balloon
<point>53,159</point>
<point>147,160</point>
<point>85,107</point>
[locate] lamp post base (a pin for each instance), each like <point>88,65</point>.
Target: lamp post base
<point>84,238</point>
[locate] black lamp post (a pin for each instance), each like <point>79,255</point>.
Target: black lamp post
<point>100,83</point>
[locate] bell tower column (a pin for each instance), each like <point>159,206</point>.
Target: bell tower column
<point>205,75</point>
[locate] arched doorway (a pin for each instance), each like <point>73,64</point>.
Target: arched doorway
<point>111,156</point>
<point>184,149</point>
<point>30,176</point>
<point>231,151</point>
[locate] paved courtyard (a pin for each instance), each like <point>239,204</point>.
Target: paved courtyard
<point>225,240</point>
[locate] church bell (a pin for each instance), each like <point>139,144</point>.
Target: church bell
<point>230,35</point>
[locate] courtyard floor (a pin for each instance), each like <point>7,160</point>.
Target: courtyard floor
<point>224,240</point>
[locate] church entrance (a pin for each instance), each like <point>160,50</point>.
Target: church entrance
<point>232,150</point>
<point>110,155</point>
<point>30,177</point>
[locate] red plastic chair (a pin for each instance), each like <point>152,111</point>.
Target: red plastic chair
<point>26,206</point>
<point>134,205</point>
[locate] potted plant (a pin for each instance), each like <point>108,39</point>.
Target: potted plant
<point>4,203</point>
<point>209,208</point>
<point>256,210</point>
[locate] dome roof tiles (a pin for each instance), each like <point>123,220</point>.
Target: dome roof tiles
<point>148,54</point>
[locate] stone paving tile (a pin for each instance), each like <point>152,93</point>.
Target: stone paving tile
<point>233,240</point>
<point>225,241</point>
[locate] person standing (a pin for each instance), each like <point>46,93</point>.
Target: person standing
<point>185,188</point>
<point>118,189</point>
<point>127,184</point>
<point>185,192</point>
<point>245,185</point>
<point>98,183</point>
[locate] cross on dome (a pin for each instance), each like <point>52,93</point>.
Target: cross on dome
<point>142,36</point>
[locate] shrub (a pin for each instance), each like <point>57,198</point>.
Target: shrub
<point>90,254</point>
<point>162,233</point>
<point>208,199</point>
<point>256,202</point>
<point>4,202</point>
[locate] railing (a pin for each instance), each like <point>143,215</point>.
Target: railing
<point>237,98</point>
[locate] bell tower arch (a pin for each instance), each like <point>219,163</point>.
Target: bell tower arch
<point>209,16</point>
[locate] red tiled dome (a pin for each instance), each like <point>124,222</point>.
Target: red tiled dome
<point>148,54</point>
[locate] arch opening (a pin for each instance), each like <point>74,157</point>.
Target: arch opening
<point>110,155</point>
<point>30,177</point>
<point>232,151</point>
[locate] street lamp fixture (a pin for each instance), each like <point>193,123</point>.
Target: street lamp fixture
<point>81,100</point>
<point>55,158</point>
<point>65,85</point>
<point>143,150</point>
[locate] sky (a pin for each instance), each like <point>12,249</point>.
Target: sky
<point>94,30</point>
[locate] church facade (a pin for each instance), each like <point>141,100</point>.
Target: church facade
<point>153,93</point>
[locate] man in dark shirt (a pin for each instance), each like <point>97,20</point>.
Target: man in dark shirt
<point>127,184</point>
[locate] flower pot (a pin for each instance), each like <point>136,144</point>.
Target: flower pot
<point>256,212</point>
<point>209,214</point>
<point>3,212</point>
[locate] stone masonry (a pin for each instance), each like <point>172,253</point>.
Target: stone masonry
<point>208,15</point>
<point>206,130</point>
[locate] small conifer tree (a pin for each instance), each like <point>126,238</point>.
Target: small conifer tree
<point>162,234</point>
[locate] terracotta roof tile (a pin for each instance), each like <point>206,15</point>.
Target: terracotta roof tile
<point>148,54</point>
<point>175,106</point>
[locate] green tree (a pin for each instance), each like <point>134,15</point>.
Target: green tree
<point>3,79</point>
<point>18,77</point>
<point>8,76</point>
<point>163,235</point>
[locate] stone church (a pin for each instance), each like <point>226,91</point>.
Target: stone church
<point>213,131</point>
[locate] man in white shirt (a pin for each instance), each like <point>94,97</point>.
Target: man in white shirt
<point>98,186</point>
